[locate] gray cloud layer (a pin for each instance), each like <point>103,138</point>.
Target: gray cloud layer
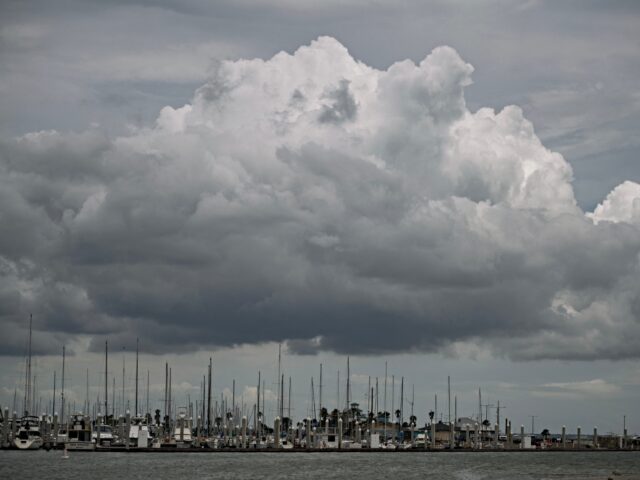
<point>316,199</point>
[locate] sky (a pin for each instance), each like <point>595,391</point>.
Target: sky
<point>448,187</point>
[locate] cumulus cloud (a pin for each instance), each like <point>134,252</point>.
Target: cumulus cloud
<point>315,199</point>
<point>621,205</point>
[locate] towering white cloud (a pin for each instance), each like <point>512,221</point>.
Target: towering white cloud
<point>313,198</point>
<point>621,205</point>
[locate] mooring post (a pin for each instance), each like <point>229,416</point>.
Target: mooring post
<point>98,422</point>
<point>413,440</point>
<point>433,434</point>
<point>595,437</point>
<point>276,432</point>
<point>5,429</point>
<point>564,436</point>
<point>243,437</point>
<point>339,433</point>
<point>579,439</point>
<point>521,437</point>
<point>55,429</point>
<point>14,426</point>
<point>127,429</point>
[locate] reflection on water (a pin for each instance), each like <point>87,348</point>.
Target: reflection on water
<point>369,466</point>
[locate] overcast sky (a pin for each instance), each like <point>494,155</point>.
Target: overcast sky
<point>447,186</point>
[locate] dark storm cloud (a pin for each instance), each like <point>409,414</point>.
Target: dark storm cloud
<point>315,199</point>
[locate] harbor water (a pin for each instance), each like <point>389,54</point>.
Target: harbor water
<point>352,466</point>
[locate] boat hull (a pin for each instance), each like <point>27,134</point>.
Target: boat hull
<point>83,446</point>
<point>28,444</point>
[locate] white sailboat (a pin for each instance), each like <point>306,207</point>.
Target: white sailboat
<point>28,436</point>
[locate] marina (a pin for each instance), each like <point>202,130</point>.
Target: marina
<point>227,425</point>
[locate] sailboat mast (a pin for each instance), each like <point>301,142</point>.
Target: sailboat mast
<point>384,414</point>
<point>166,388</point>
<point>124,406</point>
<point>53,406</point>
<point>348,385</point>
<point>313,400</point>
<point>320,390</point>
<point>137,349</point>
<point>258,423</point>
<point>62,394</point>
<point>289,402</point>
<point>86,401</point>
<point>106,380</point>
<point>279,384</point>
<point>209,397</point>
<point>27,383</point>
<point>449,396</point>
<point>148,392</point>
<point>338,393</point>
<point>401,401</point>
<point>413,397</point>
<point>282,397</point>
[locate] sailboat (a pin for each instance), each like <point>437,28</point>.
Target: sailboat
<point>28,436</point>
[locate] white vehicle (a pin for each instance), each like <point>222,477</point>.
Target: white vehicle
<point>28,436</point>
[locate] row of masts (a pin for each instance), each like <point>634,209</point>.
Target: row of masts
<point>209,411</point>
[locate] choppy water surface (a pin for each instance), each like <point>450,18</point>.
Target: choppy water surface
<point>369,466</point>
